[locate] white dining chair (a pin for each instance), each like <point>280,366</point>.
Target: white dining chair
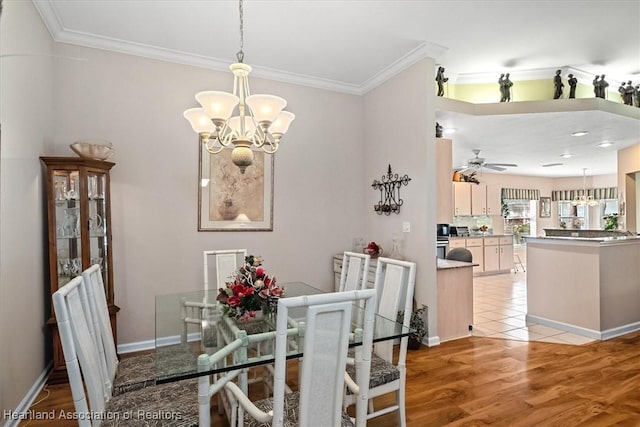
<point>394,286</point>
<point>322,377</point>
<point>355,271</point>
<point>223,263</point>
<point>130,373</point>
<point>177,400</point>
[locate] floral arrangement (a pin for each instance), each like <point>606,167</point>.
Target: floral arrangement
<point>250,290</point>
<point>611,222</point>
<point>373,249</point>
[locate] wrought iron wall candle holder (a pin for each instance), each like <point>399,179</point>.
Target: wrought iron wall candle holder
<point>389,187</point>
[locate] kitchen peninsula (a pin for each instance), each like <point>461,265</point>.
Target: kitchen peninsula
<point>587,286</point>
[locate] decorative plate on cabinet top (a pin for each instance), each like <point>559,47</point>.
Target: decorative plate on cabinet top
<point>98,149</point>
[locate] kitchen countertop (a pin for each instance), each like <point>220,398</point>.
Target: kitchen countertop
<point>593,240</point>
<point>446,264</point>
<point>480,235</point>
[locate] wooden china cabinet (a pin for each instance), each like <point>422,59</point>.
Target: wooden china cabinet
<point>79,228</point>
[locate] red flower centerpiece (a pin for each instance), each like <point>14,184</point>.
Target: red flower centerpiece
<point>250,290</point>
<point>373,249</point>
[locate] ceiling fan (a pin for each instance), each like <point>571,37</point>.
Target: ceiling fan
<point>478,163</point>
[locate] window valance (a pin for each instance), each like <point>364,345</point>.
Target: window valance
<point>596,193</point>
<point>520,194</point>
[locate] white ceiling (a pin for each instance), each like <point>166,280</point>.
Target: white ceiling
<point>351,46</point>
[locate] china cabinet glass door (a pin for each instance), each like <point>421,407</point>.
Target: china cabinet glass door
<point>79,229</point>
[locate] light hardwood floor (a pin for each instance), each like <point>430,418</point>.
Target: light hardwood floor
<point>479,381</point>
<point>497,379</point>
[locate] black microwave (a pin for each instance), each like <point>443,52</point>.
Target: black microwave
<point>443,230</point>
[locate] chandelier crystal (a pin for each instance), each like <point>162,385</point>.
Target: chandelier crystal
<point>583,199</point>
<point>239,119</point>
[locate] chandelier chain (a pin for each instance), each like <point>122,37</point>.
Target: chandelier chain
<point>240,54</point>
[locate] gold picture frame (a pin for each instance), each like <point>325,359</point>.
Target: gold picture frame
<point>545,207</point>
<point>231,201</point>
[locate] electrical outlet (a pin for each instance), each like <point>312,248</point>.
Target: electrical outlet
<point>406,227</point>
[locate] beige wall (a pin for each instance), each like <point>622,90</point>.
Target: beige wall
<point>26,120</point>
<point>628,168</point>
<point>137,104</point>
<point>400,130</point>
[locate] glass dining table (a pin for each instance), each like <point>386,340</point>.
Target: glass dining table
<point>193,338</point>
<point>176,357</point>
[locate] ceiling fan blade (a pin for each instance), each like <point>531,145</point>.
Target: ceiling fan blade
<point>494,167</point>
<point>502,164</point>
<point>548,165</point>
<point>463,169</point>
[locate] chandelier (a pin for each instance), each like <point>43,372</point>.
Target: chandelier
<point>583,199</point>
<point>259,120</point>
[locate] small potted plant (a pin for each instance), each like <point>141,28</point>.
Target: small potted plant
<point>418,326</point>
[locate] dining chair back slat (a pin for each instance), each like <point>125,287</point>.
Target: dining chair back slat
<point>327,331</point>
<point>71,307</point>
<point>107,354</point>
<point>226,263</point>
<point>394,285</point>
<point>355,271</point>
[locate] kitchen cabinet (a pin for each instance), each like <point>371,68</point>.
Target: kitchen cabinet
<point>462,198</point>
<point>475,245</point>
<point>486,199</point>
<point>498,254</point>
<point>79,233</point>
<point>493,254</point>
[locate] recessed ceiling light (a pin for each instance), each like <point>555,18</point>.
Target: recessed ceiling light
<point>605,144</point>
<point>565,155</point>
<point>580,133</point>
<point>449,131</point>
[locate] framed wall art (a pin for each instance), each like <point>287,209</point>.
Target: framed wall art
<point>231,201</point>
<point>545,207</point>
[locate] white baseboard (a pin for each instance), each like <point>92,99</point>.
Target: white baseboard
<point>585,332</point>
<point>433,341</point>
<point>30,397</point>
<point>151,344</point>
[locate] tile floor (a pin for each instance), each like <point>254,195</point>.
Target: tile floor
<point>499,309</point>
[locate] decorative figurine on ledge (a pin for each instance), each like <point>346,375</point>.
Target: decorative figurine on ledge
<point>629,92</point>
<point>600,87</point>
<point>573,82</point>
<point>441,79</point>
<point>438,130</point>
<point>637,95</point>
<point>557,82</point>
<point>505,87</point>
<point>621,92</point>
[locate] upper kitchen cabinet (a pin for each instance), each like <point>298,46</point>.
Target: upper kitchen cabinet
<point>476,199</point>
<point>462,198</point>
<point>485,199</point>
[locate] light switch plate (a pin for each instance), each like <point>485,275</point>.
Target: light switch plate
<point>406,227</point>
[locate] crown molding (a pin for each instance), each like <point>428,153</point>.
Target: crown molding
<point>424,50</point>
<point>525,75</point>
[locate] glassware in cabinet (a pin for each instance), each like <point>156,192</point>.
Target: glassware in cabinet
<point>79,231</point>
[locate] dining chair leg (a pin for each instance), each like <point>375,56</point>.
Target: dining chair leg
<point>204,400</point>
